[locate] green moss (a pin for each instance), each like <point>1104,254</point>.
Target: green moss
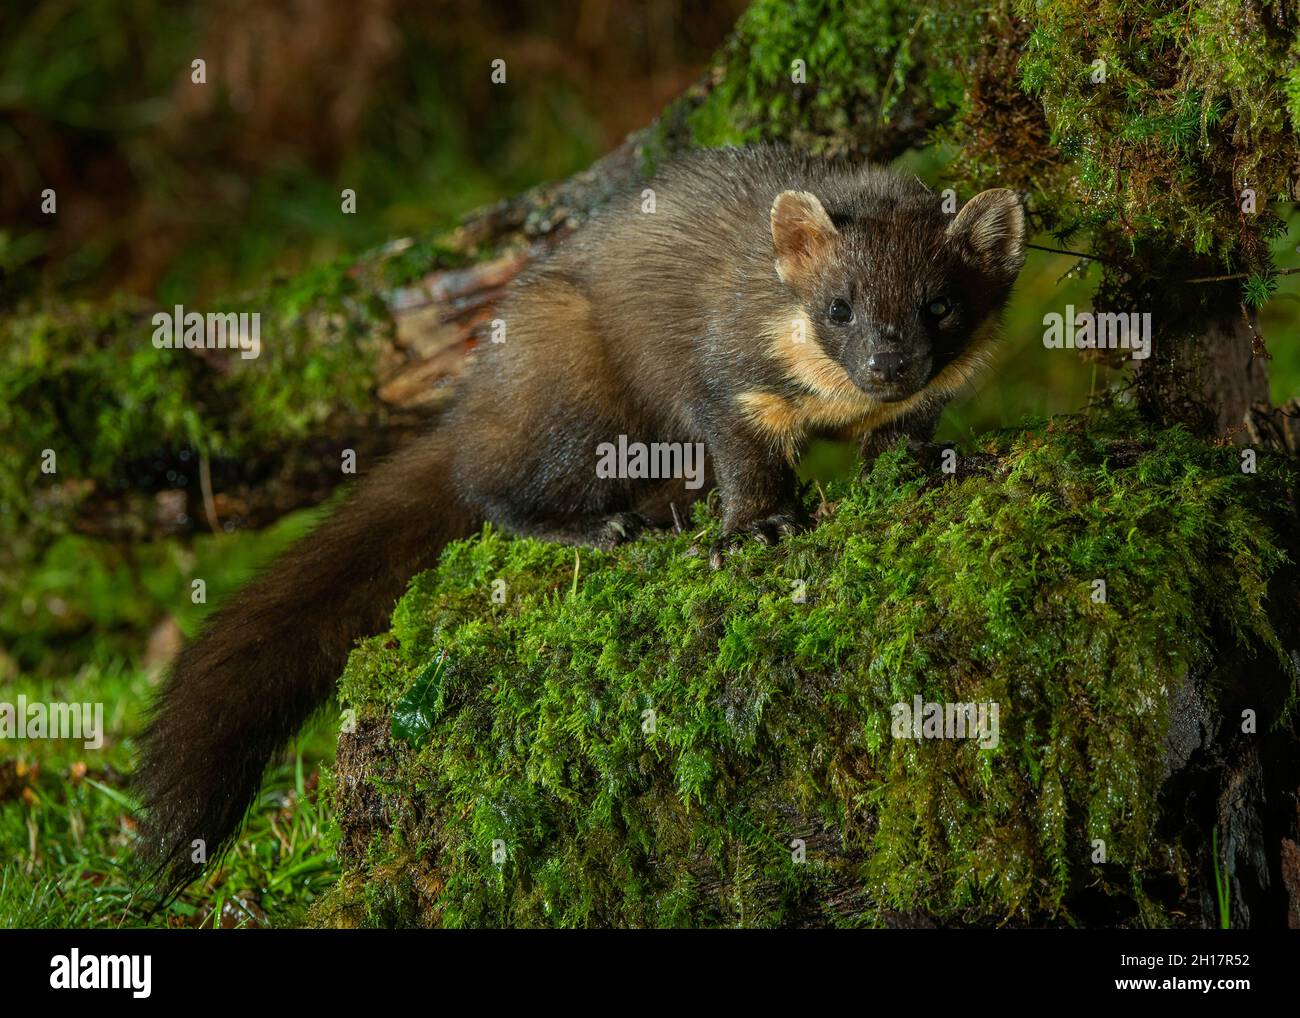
<point>869,85</point>
<point>1189,113</point>
<point>772,718</point>
<point>421,256</point>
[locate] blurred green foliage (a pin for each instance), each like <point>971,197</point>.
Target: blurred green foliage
<point>182,191</point>
<point>83,601</point>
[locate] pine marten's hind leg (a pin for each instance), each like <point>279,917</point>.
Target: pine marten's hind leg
<point>537,412</point>
<point>594,530</point>
<point>651,506</point>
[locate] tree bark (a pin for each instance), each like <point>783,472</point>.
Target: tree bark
<point>1210,381</point>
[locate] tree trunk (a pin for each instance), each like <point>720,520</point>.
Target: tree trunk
<point>1210,381</point>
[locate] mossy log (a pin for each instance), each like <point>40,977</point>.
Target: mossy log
<point>558,738</point>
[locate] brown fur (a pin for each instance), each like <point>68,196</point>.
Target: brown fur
<point>671,326</point>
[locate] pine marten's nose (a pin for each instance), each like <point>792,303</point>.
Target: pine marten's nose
<point>885,366</point>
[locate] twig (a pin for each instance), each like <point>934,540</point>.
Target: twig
<point>1197,279</point>
<point>209,503</point>
<point>1061,250</point>
<point>1257,347</point>
<point>820,494</point>
<point>1237,275</point>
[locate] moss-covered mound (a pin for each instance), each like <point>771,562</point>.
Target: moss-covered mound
<point>633,739</point>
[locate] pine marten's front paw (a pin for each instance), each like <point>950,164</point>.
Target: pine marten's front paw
<point>767,530</point>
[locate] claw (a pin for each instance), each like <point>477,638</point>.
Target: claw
<point>766,532</point>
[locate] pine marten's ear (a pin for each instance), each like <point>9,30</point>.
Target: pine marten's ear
<point>802,235</point>
<point>991,227</point>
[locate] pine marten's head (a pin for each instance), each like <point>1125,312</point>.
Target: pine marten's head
<point>894,289</point>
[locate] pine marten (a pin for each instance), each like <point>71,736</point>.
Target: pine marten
<point>767,298</point>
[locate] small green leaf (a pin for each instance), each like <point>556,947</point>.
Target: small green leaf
<point>415,713</point>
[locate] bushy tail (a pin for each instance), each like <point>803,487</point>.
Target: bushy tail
<point>268,657</point>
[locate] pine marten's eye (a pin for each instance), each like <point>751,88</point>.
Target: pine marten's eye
<point>938,307</point>
<point>840,312</point>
